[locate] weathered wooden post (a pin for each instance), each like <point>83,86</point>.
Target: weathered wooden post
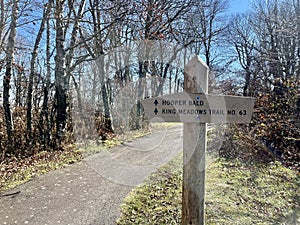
<point>194,149</point>
<point>195,107</point>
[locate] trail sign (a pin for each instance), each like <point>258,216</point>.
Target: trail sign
<point>192,107</point>
<point>195,108</point>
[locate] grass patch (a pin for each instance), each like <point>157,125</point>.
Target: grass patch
<point>236,193</point>
<point>158,200</point>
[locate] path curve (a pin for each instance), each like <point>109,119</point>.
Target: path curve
<point>90,192</point>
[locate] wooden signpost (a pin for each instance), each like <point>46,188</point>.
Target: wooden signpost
<point>191,107</point>
<point>195,108</point>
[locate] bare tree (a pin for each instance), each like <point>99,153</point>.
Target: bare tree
<point>242,37</point>
<point>47,9</point>
<point>209,26</point>
<point>9,66</point>
<point>64,56</point>
<point>61,85</point>
<point>296,4</point>
<point>277,34</point>
<point>44,120</point>
<point>2,24</point>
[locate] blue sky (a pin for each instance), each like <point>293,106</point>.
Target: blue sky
<point>239,5</point>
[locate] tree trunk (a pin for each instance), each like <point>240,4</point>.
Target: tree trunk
<point>247,88</point>
<point>9,61</point>
<point>105,96</point>
<point>143,67</point>
<point>99,51</point>
<point>2,22</point>
<point>45,133</point>
<point>61,85</point>
<point>18,81</point>
<point>298,50</point>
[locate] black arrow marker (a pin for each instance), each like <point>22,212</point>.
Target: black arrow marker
<point>155,102</point>
<point>155,111</point>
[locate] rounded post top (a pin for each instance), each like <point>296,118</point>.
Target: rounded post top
<point>196,76</point>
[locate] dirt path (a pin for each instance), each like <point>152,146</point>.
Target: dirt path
<point>90,192</point>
